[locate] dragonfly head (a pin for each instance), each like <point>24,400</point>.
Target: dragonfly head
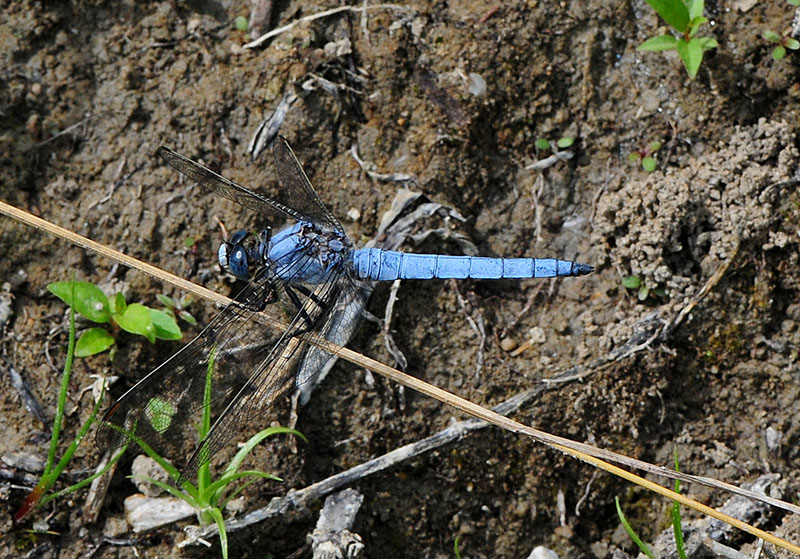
<point>239,257</point>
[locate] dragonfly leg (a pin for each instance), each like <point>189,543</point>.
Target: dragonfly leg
<point>309,323</point>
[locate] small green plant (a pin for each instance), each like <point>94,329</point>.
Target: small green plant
<point>643,547</point>
<point>456,550</point>
<point>675,516</point>
<point>561,143</point>
<point>675,513</point>
<point>686,17</point>
<point>178,308</point>
<point>647,156</point>
<point>240,23</point>
<point>89,301</point>
<point>208,497</point>
<point>783,41</point>
<point>642,291</point>
<point>38,495</point>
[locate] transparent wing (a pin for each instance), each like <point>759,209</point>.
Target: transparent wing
<point>297,190</point>
<point>341,325</point>
<point>226,188</point>
<point>274,377</point>
<point>161,405</point>
<point>254,362</point>
<point>302,202</point>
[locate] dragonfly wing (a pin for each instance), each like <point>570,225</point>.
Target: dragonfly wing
<point>297,190</point>
<point>226,188</point>
<point>341,324</point>
<point>162,407</point>
<point>276,374</point>
<point>254,357</point>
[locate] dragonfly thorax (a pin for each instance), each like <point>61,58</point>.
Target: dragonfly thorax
<point>304,252</point>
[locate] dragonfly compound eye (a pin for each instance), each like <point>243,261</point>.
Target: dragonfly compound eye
<point>233,260</point>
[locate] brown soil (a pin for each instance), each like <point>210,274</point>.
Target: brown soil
<point>89,90</point>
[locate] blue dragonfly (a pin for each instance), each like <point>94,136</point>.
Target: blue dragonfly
<point>319,281</point>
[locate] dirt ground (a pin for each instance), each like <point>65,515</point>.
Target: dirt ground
<point>454,94</point>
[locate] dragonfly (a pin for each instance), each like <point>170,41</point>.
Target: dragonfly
<point>317,282</point>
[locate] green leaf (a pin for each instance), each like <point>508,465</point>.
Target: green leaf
<point>673,12</point>
<point>253,441</point>
<point>792,44</point>
<point>649,164</point>
<point>631,282</point>
<point>159,414</point>
<point>189,242</point>
<point>778,53</point>
<point>165,325</point>
<point>656,44</point>
<point>241,23</point>
<point>707,43</point>
<point>694,25</point>
<point>93,341</point>
<point>692,55</point>
<point>119,303</point>
<point>137,320</point>
<point>565,142</point>
<point>634,156</point>
<point>771,36</point>
<point>166,300</point>
<point>631,534</point>
<point>542,143</point>
<point>644,291</point>
<point>695,8</point>
<point>654,146</point>
<point>86,298</point>
<point>187,317</point>
<point>214,492</point>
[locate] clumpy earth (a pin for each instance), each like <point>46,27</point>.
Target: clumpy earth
<point>455,95</point>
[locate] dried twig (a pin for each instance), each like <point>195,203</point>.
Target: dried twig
<point>369,169</point>
<point>278,30</point>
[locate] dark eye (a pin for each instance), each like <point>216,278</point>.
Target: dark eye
<point>237,262</point>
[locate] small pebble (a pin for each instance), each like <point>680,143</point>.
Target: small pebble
<point>508,344</point>
<point>145,467</point>
<point>541,552</point>
<point>477,85</point>
<point>353,214</point>
<point>537,335</point>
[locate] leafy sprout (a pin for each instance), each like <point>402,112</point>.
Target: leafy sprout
<point>561,143</point>
<point>643,547</point>
<point>52,470</point>
<point>686,17</point>
<point>642,291</point>
<point>647,156</point>
<point>89,301</point>
<point>784,42</point>
<point>675,516</point>
<point>178,308</point>
<point>208,496</point>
